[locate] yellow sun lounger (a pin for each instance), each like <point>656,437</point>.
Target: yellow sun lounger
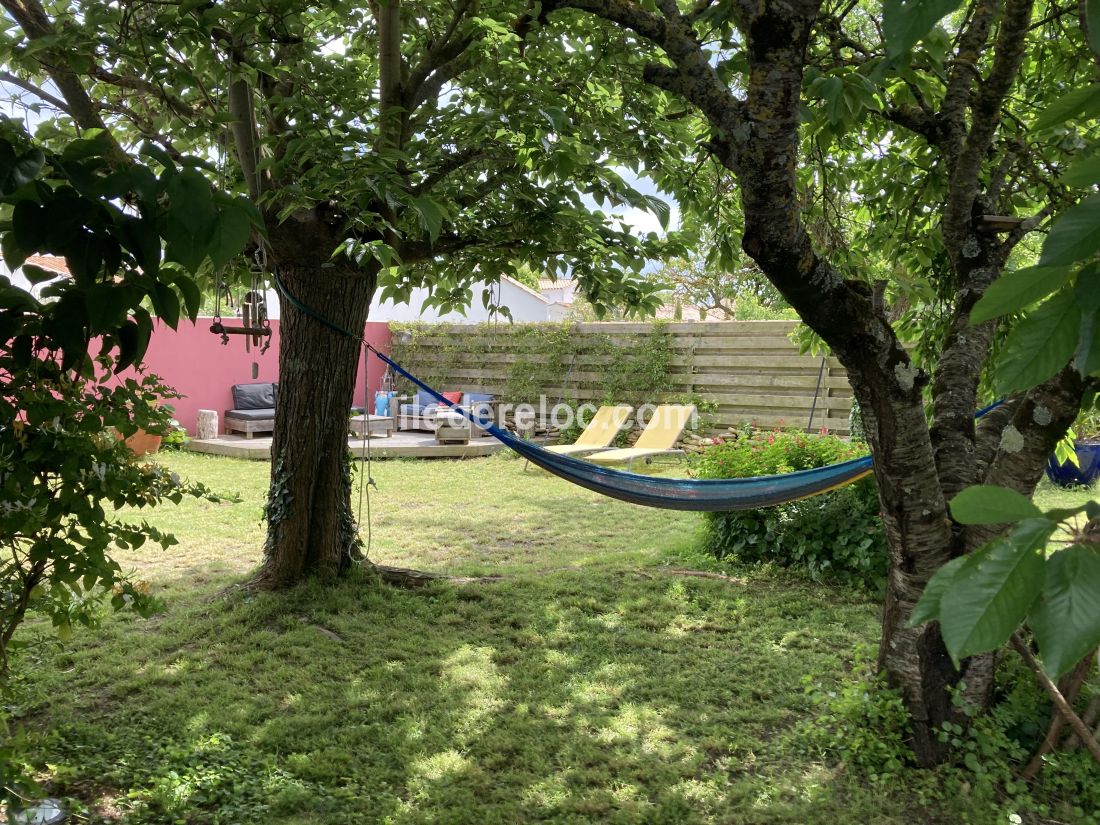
<point>599,433</point>
<point>658,438</point>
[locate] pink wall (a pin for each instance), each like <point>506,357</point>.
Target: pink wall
<point>193,360</point>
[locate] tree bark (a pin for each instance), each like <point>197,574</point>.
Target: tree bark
<point>311,530</point>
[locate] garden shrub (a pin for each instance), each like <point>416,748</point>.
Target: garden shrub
<point>861,724</point>
<point>836,535</point>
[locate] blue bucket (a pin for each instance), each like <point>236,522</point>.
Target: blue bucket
<point>382,402</point>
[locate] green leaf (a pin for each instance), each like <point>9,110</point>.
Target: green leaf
<point>105,305</point>
<point>14,255</point>
<point>21,171</point>
<point>832,92</point>
<point>38,275</point>
<point>992,593</point>
<point>1039,345</point>
<point>156,153</point>
<point>1066,621</point>
<point>990,504</point>
<point>97,143</point>
<point>28,226</point>
<point>1075,235</point>
<point>230,235</point>
<point>907,21</point>
<point>928,608</point>
<point>166,304</point>
<point>431,216</point>
<point>191,220</point>
<point>192,203</point>
<point>1087,356</point>
<point>1017,290</point>
<point>1084,101</point>
<point>192,296</point>
<point>1083,172</point>
<point>659,209</point>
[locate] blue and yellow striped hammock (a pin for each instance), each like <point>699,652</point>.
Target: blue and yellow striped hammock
<point>706,495</point>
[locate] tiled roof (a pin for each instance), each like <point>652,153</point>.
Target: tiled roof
<point>50,263</point>
<point>561,283</point>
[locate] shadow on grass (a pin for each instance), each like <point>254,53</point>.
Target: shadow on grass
<point>575,697</point>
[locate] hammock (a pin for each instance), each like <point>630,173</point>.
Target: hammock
<point>706,495</point>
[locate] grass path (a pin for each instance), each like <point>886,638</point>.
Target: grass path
<point>591,684</point>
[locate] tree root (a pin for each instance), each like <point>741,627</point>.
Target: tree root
<point>408,578</point>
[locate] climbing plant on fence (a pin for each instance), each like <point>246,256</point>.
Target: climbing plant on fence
<point>550,359</point>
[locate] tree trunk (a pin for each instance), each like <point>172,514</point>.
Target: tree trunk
<point>310,527</point>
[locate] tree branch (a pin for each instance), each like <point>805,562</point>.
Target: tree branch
<point>448,166</point>
<point>391,116</point>
<point>1056,697</point>
<point>439,55</point>
<point>964,71</point>
<point>136,84</point>
<point>419,251</point>
<point>985,120</point>
<point>32,19</point>
<point>987,438</point>
<point>26,85</point>
<point>1039,421</point>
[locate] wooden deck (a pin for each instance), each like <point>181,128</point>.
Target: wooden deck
<point>407,444</point>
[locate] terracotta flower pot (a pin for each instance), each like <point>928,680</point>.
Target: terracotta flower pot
<point>143,443</point>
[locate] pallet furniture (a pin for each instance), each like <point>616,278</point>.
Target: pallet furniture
<point>253,409</point>
<point>421,413</point>
<point>452,427</point>
<point>371,425</point>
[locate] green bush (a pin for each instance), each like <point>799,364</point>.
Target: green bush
<point>175,437</point>
<point>834,535</point>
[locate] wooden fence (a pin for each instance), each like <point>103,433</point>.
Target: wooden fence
<point>749,369</point>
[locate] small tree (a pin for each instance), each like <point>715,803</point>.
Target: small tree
<point>720,293</point>
<point>64,466</point>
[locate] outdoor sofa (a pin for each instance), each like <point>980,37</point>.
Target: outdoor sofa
<point>253,409</point>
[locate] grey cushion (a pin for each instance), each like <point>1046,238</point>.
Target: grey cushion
<point>469,398</point>
<point>419,410</point>
<point>252,415</point>
<point>254,396</point>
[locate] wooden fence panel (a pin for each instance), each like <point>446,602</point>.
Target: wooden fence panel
<point>749,369</point>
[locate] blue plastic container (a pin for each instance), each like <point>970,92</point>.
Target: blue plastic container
<point>382,402</point>
<point>1066,475</point>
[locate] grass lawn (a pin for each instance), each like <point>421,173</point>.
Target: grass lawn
<point>594,682</point>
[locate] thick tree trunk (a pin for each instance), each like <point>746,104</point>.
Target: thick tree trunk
<point>310,527</point>
<point>918,538</point>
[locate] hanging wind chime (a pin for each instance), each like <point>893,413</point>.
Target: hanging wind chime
<point>255,325</point>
